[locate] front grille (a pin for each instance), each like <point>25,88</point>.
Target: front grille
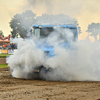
<point>46,53</point>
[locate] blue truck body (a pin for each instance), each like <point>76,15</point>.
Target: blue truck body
<point>48,48</point>
<point>38,31</point>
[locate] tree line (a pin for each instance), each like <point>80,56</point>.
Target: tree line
<point>21,23</point>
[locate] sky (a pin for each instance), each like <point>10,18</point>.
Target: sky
<point>85,11</point>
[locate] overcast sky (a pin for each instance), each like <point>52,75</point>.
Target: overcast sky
<point>85,11</point>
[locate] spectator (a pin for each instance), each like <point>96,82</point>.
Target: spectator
<point>4,45</point>
<point>9,46</point>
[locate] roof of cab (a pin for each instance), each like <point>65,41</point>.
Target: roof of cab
<point>68,25</point>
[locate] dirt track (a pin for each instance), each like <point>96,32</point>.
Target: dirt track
<point>3,60</point>
<point>20,89</point>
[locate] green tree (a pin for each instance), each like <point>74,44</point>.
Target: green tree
<point>57,19</point>
<point>1,33</point>
<point>94,29</point>
<point>21,23</point>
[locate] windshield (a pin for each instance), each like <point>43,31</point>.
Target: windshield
<point>44,32</point>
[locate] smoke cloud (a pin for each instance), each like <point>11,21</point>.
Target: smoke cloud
<point>78,62</point>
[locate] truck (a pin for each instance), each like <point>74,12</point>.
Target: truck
<point>43,31</point>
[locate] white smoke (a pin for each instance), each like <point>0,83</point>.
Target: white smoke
<point>79,62</point>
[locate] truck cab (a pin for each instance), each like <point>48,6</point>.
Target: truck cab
<point>43,31</point>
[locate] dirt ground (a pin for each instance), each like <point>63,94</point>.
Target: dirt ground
<point>3,60</point>
<point>21,89</point>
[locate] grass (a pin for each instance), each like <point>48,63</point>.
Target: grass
<point>3,66</point>
<point>4,55</point>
